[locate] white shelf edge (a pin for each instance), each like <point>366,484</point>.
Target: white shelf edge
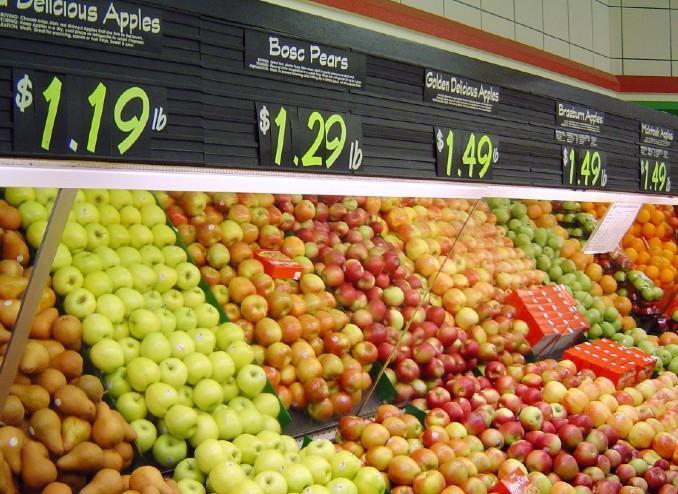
<point>69,174</point>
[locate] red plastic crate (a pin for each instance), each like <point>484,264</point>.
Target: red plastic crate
<point>278,265</point>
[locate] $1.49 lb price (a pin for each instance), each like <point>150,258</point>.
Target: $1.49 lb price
<point>584,167</point>
<point>308,139</point>
<point>655,176</point>
<point>464,154</point>
<point>68,114</point>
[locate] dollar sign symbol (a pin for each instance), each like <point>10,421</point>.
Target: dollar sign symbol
<point>264,122</point>
<point>439,141</point>
<point>24,97</point>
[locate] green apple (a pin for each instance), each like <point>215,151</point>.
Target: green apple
<point>341,486</point>
<point>160,397</point>
<point>142,197</point>
<point>199,367</point>
<point>108,257</point>
<point>169,450</point>
<point>241,353</point>
<point>208,454</point>
<point>32,211</point>
<point>97,236</point>
<point>156,347</point>
<point>143,322</point>
<point>271,440</point>
<point>204,340</point>
<point>186,319</point>
<point>207,394</point>
<point>320,447</point>
<point>96,327</point>
<point>128,255</point>
<point>344,464</point>
<point>67,279</point>
<point>188,276</point>
<point>142,372</point>
<point>293,457</point>
<point>297,477</point>
<point>319,467</point>
<point>163,235</point>
<point>240,403</point>
<point>74,236</point>
<point>251,380</point>
<point>120,276</point>
<point>289,444</point>
<point>45,195</point>
<point>225,476</point>
<point>316,489</point>
<point>186,395</point>
<point>181,421</point>
<point>108,215</point>
<point>250,447</point>
<point>228,422</point>
<point>153,300</point>
<point>191,486</point>
<point>207,314</point>
<point>271,424</point>
<point>140,235</point>
<point>173,300</point>
<point>146,434</point>
<point>98,282</point>
<point>107,355</point>
<point>16,196</point>
<point>110,306</point>
<point>267,404</point>
<point>85,213</point>
<point>116,382</point>
<point>222,366</point>
<point>173,372</point>
<point>206,428</point>
<point>181,344</point>
<point>271,482</point>
<point>129,215</point>
<point>193,297</point>
<point>228,333</point>
<point>132,406</point>
<point>131,299</point>
<point>168,322</point>
<point>220,293</point>
<point>118,236</point>
<point>230,388</point>
<point>152,214</point>
<point>252,421</point>
<point>97,196</point>
<point>218,255</point>
<point>368,480</point>
<point>166,277</point>
<point>36,232</point>
<point>143,277</point>
<point>120,330</point>
<point>62,258</point>
<point>187,469</point>
<point>174,255</point>
<point>87,262</point>
<point>130,348</point>
<point>151,255</point>
<point>269,460</point>
<point>119,198</point>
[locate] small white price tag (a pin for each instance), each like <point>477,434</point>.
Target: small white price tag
<point>610,230</point>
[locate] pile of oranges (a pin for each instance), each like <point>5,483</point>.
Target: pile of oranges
<point>651,246</point>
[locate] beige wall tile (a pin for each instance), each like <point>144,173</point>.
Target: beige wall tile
<point>556,19</point>
<point>462,12</point>
<point>529,36</point>
<point>497,25</point>
<point>647,67</point>
<point>646,34</point>
<point>529,13</point>
<point>432,6</point>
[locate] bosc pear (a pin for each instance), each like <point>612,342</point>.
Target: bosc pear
<point>45,426</point>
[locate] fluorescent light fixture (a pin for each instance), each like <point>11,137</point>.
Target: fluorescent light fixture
<point>90,175</point>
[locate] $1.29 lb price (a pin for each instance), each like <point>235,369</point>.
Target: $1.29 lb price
<point>308,139</point>
<point>584,167</point>
<point>462,154</point>
<point>64,114</point>
<point>655,176</point>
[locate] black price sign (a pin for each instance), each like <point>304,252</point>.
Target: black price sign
<point>655,176</point>
<point>61,114</point>
<point>584,167</point>
<point>462,154</point>
<point>308,139</point>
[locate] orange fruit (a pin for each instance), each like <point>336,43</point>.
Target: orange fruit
<point>623,305</point>
<point>594,271</point>
<point>608,284</point>
<point>666,275</point>
<point>644,215</point>
<point>628,323</point>
<point>652,272</point>
<point>657,217</point>
<point>631,253</point>
<point>596,289</point>
<point>648,230</point>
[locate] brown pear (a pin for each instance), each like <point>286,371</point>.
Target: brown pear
<point>11,287</point>
<point>69,362</point>
<point>11,268</point>
<point>41,327</point>
<point>146,476</point>
<point>151,489</point>
<point>22,378</point>
<point>174,487</point>
<point>14,247</point>
<point>7,485</point>
<point>74,480</point>
<point>112,459</point>
<point>47,298</point>
<point>106,481</point>
<point>71,400</point>
<point>12,441</point>
<point>68,331</point>
<point>53,347</point>
<point>129,434</point>
<point>5,335</point>
<point>45,426</point>
<point>13,412</point>
<point>10,218</point>
<point>9,310</point>
<point>50,379</point>
<point>35,358</point>
<point>107,431</point>
<point>36,469</point>
<point>92,387</point>
<point>85,457</point>
<point>74,431</point>
<point>126,452</point>
<point>125,482</point>
<point>131,491</point>
<point>33,397</point>
<point>57,488</point>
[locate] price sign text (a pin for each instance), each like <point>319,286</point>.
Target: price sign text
<point>467,155</point>
<point>655,176</point>
<point>584,168</point>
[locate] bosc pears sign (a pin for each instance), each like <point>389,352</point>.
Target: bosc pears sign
<point>105,23</point>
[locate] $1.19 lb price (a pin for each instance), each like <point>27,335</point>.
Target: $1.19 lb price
<point>655,176</point>
<point>584,167</point>
<point>464,154</point>
<point>308,139</point>
<point>68,114</point>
